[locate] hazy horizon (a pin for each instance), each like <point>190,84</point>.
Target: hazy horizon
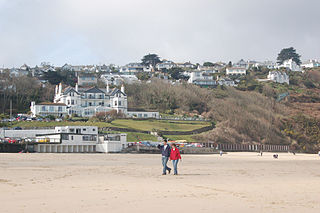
<point>122,31</point>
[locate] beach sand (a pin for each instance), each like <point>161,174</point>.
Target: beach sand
<point>235,182</point>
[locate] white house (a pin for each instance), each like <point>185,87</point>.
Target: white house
<point>165,65</point>
<point>311,64</point>
<point>226,82</point>
<point>242,63</point>
<point>45,109</point>
<point>291,65</point>
<point>236,71</point>
<point>135,67</point>
<point>201,78</point>
<point>87,102</point>
<point>186,65</point>
<point>119,79</point>
<point>87,80</point>
<point>279,77</point>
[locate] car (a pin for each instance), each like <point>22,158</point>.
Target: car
<point>10,140</point>
<point>29,119</point>
<point>17,128</point>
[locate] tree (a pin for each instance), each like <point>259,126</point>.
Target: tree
<point>208,64</point>
<point>151,59</point>
<point>143,76</point>
<point>176,73</point>
<point>288,53</point>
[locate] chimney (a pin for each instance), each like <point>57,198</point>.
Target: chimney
<point>122,88</point>
<point>108,90</point>
<point>60,88</point>
<point>77,87</point>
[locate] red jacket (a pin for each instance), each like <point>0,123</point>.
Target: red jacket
<point>175,154</point>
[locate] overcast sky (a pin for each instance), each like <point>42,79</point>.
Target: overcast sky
<point>122,31</point>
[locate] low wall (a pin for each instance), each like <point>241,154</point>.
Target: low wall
<point>24,133</point>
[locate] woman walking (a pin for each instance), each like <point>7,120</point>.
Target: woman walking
<point>175,156</point>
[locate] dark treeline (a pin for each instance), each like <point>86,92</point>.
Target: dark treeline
<point>21,91</point>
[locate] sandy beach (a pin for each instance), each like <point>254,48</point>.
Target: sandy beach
<point>235,182</point>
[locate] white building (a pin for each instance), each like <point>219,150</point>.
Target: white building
<point>267,64</point>
<point>109,143</point>
<point>226,82</point>
<point>311,64</point>
<point>119,79</point>
<point>291,65</point>
<point>45,109</point>
<point>279,77</point>
<point>135,67</point>
<point>87,102</point>
<point>242,63</point>
<point>236,71</point>
<point>201,78</point>
<point>135,113</point>
<point>87,80</point>
<point>186,65</point>
<point>165,65</point>
<point>79,139</point>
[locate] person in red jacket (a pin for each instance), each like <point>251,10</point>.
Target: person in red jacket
<point>175,156</point>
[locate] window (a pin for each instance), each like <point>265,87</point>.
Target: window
<point>51,109</point>
<point>68,102</point>
<point>139,115</point>
<point>115,103</point>
<point>119,103</point>
<point>89,138</point>
<point>145,115</point>
<point>71,130</point>
<point>43,108</point>
<point>84,129</point>
<point>64,137</point>
<point>72,102</point>
<point>59,109</point>
<point>72,138</point>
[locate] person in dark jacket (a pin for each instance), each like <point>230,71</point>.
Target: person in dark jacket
<point>165,152</point>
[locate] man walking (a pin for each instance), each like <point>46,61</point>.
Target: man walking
<point>165,152</point>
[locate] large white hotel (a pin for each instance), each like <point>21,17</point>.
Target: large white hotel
<point>87,102</point>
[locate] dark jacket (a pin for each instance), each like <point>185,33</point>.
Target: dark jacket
<point>165,152</point>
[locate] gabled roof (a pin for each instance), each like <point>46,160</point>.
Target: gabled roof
<point>70,89</point>
<point>93,90</point>
<point>115,91</point>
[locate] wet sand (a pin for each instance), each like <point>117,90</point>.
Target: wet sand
<point>235,182</point>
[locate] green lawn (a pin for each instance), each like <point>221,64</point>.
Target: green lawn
<point>145,125</point>
<point>149,125</point>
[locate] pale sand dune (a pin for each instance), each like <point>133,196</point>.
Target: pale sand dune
<point>236,182</point>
